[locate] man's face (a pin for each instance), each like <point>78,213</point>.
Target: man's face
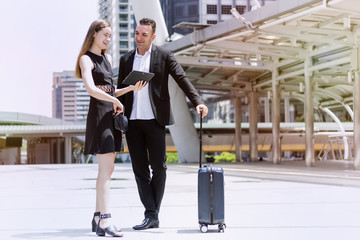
<point>143,37</point>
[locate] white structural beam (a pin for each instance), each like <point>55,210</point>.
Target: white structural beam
<point>266,49</point>
<point>152,9</point>
<point>341,129</point>
<point>350,111</point>
<point>337,98</point>
<point>330,64</point>
<point>314,35</point>
<point>231,64</point>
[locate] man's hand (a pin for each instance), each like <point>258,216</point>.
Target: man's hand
<point>204,108</point>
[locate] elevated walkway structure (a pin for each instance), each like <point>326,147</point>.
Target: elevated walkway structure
<point>305,50</point>
<point>49,140</point>
<point>18,118</point>
<point>59,143</point>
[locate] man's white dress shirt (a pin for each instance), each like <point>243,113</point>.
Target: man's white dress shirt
<point>141,108</point>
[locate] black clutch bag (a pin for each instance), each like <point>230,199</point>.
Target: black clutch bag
<point>120,122</point>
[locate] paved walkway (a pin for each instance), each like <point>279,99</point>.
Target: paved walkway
<point>263,201</point>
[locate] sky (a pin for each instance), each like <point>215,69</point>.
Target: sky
<point>39,37</point>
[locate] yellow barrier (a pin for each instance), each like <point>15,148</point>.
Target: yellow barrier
<point>246,148</point>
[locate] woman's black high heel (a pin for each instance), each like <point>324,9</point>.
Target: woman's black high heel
<point>93,222</point>
<point>110,230</point>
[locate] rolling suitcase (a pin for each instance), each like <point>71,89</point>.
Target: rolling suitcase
<point>210,194</point>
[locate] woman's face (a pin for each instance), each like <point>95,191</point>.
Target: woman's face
<point>102,38</point>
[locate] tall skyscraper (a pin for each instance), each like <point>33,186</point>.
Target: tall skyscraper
<point>70,99</point>
<point>203,11</point>
<point>180,11</point>
<point>119,14</point>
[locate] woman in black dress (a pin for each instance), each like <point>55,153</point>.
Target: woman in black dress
<point>94,67</point>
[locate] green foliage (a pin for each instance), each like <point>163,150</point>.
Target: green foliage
<point>171,157</point>
<point>118,159</point>
<point>300,118</point>
<point>209,158</point>
<point>225,157</point>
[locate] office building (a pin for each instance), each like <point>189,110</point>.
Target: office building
<point>180,11</point>
<point>70,99</point>
<point>119,14</point>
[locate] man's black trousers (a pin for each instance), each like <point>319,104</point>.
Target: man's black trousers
<point>146,142</point>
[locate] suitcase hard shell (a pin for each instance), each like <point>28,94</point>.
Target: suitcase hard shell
<point>210,193</point>
<point>211,197</point>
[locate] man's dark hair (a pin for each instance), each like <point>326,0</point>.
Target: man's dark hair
<point>148,21</point>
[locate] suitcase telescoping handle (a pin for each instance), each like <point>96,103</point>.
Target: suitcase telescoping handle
<point>200,137</point>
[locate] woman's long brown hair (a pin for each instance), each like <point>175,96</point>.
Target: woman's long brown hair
<point>96,26</point>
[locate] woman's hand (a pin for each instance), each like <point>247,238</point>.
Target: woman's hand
<point>118,107</point>
<point>138,86</point>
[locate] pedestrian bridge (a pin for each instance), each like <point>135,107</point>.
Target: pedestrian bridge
<point>55,141</point>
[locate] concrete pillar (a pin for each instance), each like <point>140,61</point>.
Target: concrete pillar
<point>357,117</point>
<point>238,128</point>
<point>68,150</point>
<point>58,150</point>
<point>248,4</point>
<point>183,132</point>
<point>292,112</point>
<point>287,109</point>
<point>219,11</point>
<point>287,114</point>
<point>309,111</point>
<point>267,109</point>
<point>276,145</point>
<point>355,65</point>
<point>253,129</point>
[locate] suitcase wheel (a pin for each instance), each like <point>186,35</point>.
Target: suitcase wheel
<point>222,227</point>
<point>203,228</point>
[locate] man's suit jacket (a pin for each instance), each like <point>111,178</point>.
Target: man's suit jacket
<point>162,63</point>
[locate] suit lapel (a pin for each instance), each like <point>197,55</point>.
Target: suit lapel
<point>152,58</point>
<point>131,62</point>
<point>151,69</point>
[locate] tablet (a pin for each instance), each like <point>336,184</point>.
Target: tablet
<point>135,76</point>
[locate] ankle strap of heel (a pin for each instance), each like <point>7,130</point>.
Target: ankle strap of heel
<point>106,215</point>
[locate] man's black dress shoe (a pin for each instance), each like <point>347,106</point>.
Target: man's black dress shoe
<point>146,224</point>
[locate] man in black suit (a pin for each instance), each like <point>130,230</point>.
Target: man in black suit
<point>149,112</point>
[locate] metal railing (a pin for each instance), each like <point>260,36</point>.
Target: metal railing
<point>334,148</point>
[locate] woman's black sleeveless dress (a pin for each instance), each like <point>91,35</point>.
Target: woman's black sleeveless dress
<point>101,137</point>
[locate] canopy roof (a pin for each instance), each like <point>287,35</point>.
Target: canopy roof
<point>233,58</point>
